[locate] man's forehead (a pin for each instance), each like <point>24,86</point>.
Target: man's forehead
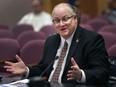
<point>64,5</point>
<point>61,7</point>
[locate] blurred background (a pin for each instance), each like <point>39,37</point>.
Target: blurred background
<point>11,11</point>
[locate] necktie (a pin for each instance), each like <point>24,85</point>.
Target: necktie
<point>58,68</point>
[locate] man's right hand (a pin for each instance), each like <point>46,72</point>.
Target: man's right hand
<point>16,68</point>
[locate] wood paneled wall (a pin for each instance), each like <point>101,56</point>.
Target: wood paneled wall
<point>93,7</point>
<point>49,4</point>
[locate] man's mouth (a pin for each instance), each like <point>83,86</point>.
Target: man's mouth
<point>63,29</point>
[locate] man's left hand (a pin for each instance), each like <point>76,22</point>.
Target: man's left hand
<point>75,72</point>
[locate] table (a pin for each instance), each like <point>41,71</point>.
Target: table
<point>47,84</point>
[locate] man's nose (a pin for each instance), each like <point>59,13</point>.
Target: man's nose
<point>61,23</point>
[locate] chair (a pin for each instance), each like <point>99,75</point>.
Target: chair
<point>112,50</point>
<point>25,37</point>
<point>18,29</point>
<point>8,49</point>
<point>85,18</point>
<point>108,28</point>
<point>103,17</point>
<point>109,39</point>
<point>4,27</point>
<point>48,30</point>
<point>32,52</point>
<point>97,23</point>
<point>6,34</point>
<point>86,26</point>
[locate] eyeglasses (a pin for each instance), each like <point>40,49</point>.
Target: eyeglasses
<point>65,19</point>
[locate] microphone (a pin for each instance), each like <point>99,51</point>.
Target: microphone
<point>0,78</point>
<point>39,79</point>
<point>49,66</point>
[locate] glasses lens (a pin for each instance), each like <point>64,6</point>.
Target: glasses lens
<point>65,19</point>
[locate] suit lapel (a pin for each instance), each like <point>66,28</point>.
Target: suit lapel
<point>55,46</point>
<point>72,49</point>
<point>74,45</point>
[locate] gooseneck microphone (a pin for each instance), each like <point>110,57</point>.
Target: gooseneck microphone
<point>0,78</point>
<point>49,66</point>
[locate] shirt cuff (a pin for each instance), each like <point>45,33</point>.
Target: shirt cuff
<point>27,74</point>
<point>83,79</point>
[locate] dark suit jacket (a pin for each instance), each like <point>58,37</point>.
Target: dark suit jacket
<point>88,50</point>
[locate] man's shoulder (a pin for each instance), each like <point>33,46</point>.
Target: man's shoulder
<point>90,34</point>
<point>53,36</point>
<point>28,14</point>
<point>51,40</point>
<point>46,14</point>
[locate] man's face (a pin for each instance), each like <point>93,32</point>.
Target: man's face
<point>37,7</point>
<point>65,21</point>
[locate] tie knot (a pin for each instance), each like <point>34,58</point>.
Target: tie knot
<point>65,44</point>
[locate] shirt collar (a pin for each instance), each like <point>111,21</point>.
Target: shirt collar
<point>69,40</point>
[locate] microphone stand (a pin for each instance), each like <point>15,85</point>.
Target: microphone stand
<point>39,81</point>
<point>0,78</point>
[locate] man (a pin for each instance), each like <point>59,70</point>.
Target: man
<point>38,18</point>
<point>110,12</point>
<point>85,59</point>
<point>112,15</point>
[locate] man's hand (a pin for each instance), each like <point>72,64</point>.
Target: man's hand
<point>16,68</point>
<point>75,72</point>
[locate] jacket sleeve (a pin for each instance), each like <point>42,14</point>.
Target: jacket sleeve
<point>98,65</point>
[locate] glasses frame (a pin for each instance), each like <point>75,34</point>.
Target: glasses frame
<point>64,20</point>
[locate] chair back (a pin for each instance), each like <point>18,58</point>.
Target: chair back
<point>48,30</point>
<point>8,49</point>
<point>87,26</point>
<point>4,27</point>
<point>31,52</point>
<point>18,29</point>
<point>109,39</point>
<point>108,28</point>
<point>85,18</point>
<point>6,34</point>
<point>97,23</point>
<point>25,37</point>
